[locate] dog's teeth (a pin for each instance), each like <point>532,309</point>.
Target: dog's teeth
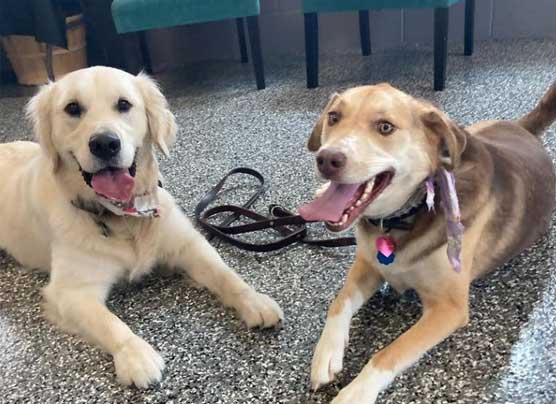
<point>351,209</point>
<point>369,186</point>
<point>358,203</point>
<point>344,218</point>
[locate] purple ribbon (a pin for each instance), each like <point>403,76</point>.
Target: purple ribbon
<point>450,205</point>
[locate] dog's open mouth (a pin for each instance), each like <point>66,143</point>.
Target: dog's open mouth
<point>113,183</point>
<point>341,204</point>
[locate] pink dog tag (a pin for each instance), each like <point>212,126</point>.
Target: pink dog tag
<point>386,246</point>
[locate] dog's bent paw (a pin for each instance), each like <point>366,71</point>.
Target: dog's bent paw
<point>258,310</point>
<point>355,395</point>
<point>329,356</point>
<point>138,363</point>
<point>365,388</point>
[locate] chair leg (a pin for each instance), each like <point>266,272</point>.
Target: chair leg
<point>7,74</point>
<point>312,49</point>
<point>145,52</point>
<point>365,32</point>
<point>441,18</point>
<point>241,39</point>
<point>256,54</point>
<point>469,26</point>
<point>48,63</point>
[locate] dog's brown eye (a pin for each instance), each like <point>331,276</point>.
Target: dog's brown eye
<point>123,105</point>
<point>73,109</point>
<point>385,128</point>
<point>333,118</point>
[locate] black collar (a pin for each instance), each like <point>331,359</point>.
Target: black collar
<point>405,221</point>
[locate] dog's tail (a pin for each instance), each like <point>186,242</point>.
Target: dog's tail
<point>543,115</point>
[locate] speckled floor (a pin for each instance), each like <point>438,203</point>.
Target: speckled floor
<point>507,354</point>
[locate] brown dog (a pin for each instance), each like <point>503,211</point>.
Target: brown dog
<point>377,146</point>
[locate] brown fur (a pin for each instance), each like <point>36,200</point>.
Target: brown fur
<point>543,115</point>
<point>506,188</point>
<point>362,277</point>
<point>314,140</point>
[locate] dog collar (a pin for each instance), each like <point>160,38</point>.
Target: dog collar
<point>145,205</point>
<point>386,245</point>
<point>402,219</point>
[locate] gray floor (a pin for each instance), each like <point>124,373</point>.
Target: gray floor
<point>507,354</point>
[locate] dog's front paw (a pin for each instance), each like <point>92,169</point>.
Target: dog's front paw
<point>329,355</point>
<point>258,310</point>
<point>355,393</point>
<point>365,388</point>
<point>138,363</point>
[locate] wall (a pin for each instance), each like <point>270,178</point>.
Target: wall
<point>281,25</point>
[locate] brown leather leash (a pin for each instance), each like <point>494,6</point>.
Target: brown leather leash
<point>291,228</point>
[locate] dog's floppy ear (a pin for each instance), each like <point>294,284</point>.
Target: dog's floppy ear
<point>314,140</point>
<point>162,123</point>
<point>39,112</point>
<point>451,138</point>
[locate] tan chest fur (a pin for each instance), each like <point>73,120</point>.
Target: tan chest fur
<point>131,244</point>
<point>402,274</point>
<point>431,272</point>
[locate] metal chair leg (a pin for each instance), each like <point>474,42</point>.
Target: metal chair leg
<point>441,19</point>
<point>365,32</point>
<point>312,49</point>
<point>256,54</point>
<point>469,27</point>
<point>48,63</point>
<point>241,40</point>
<point>145,52</point>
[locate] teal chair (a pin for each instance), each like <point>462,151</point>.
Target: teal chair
<point>142,15</point>
<point>311,8</point>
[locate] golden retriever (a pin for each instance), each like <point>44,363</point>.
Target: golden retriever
<point>388,157</point>
<point>85,205</point>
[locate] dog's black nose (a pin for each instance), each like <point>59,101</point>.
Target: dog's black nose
<point>330,162</point>
<point>105,146</point>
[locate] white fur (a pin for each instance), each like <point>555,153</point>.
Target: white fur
<point>364,389</point>
<point>329,353</point>
<point>366,159</point>
<point>42,229</point>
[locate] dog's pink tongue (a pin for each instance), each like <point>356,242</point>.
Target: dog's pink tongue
<point>114,184</point>
<point>331,204</point>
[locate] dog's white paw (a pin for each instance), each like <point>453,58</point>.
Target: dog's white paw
<point>322,189</point>
<point>356,393</point>
<point>138,363</point>
<point>365,388</point>
<point>329,355</point>
<point>258,310</point>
